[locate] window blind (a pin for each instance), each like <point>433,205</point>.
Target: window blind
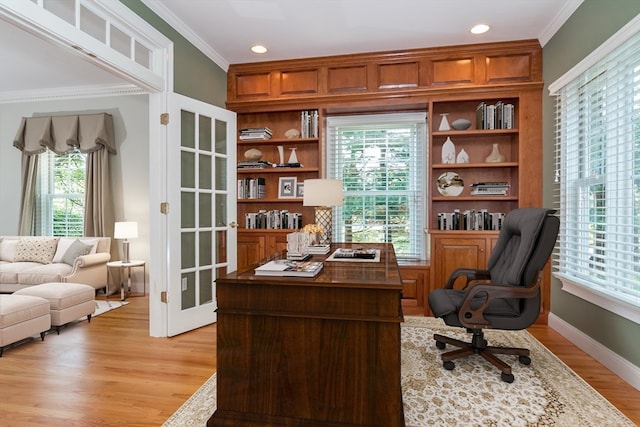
<point>381,161</point>
<point>60,194</point>
<point>597,133</point>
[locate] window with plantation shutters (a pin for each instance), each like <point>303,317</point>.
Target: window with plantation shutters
<point>60,194</point>
<point>598,175</point>
<point>381,161</point>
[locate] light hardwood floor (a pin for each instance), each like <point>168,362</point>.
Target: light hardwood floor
<point>111,373</point>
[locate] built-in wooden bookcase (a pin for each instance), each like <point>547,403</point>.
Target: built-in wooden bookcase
<point>478,143</point>
<point>308,153</point>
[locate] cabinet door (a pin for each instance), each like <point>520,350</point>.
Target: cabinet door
<point>251,249</point>
<point>414,287</point>
<point>276,242</point>
<point>456,252</point>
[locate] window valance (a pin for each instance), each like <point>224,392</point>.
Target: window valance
<point>61,134</point>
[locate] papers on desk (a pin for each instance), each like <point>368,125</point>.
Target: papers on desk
<point>355,255</point>
<point>285,268</point>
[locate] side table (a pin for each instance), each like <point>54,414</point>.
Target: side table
<point>125,290</point>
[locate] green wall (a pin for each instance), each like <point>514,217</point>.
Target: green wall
<point>590,25</point>
<point>194,74</point>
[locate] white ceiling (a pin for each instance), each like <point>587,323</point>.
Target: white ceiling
<point>225,30</point>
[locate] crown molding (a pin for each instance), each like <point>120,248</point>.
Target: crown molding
<point>75,92</point>
<point>558,21</point>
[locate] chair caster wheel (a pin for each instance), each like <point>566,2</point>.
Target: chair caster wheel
<point>507,378</point>
<point>525,360</point>
<point>449,365</point>
<point>440,345</point>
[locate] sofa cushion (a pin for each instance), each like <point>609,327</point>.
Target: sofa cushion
<point>76,249</point>
<point>44,273</point>
<point>36,249</point>
<point>9,270</point>
<point>8,249</point>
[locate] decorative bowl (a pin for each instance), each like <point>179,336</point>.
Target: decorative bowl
<point>253,154</point>
<point>460,124</point>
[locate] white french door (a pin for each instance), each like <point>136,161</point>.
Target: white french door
<point>201,215</point>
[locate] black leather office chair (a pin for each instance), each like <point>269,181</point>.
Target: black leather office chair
<point>504,296</point>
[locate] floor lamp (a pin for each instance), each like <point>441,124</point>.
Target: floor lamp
<point>323,195</point>
<point>125,230</point>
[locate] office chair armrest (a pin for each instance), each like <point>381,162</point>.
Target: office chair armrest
<point>470,275</point>
<point>473,317</point>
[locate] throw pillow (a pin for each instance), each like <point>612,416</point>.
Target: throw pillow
<point>8,249</point>
<point>63,246</point>
<point>76,249</point>
<point>36,249</point>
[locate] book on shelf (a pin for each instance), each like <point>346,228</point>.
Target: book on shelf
<point>251,188</point>
<point>495,116</point>
<point>309,124</point>
<point>497,188</point>
<point>254,164</point>
<point>248,134</point>
<point>470,219</point>
<point>283,268</point>
<point>288,165</point>
<point>273,220</point>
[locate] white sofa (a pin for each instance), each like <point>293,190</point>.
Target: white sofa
<point>33,260</point>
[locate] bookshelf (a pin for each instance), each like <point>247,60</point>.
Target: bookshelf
<point>281,188</point>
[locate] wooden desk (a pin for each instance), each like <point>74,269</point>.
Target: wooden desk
<point>311,352</point>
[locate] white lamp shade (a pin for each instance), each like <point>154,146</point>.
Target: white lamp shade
<point>125,230</point>
<point>322,192</point>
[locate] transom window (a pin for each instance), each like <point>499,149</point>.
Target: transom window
<point>381,161</point>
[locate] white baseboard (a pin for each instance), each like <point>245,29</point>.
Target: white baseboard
<point>626,370</point>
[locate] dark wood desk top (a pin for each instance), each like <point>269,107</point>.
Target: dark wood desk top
<point>380,275</point>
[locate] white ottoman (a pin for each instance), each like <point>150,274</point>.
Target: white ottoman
<point>22,316</point>
<point>68,301</point>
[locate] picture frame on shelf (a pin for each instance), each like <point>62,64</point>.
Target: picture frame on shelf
<point>300,190</point>
<point>287,187</point>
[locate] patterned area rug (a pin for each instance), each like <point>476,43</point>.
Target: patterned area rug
<point>545,393</point>
<point>103,306</point>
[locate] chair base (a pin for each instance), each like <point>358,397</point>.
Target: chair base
<point>478,345</point>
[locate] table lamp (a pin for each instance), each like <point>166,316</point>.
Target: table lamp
<point>323,194</point>
<point>125,230</point>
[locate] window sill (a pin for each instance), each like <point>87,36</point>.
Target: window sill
<point>614,305</point>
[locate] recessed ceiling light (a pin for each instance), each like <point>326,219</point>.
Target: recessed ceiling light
<point>258,49</point>
<point>480,28</point>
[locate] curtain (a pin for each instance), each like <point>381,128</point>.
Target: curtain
<point>92,134</point>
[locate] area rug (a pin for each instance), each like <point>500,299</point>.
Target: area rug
<point>103,306</point>
<point>545,393</point>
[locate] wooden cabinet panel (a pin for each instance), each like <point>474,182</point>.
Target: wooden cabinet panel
<point>297,82</point>
<point>396,76</point>
<point>253,84</point>
<point>452,71</point>
<point>415,287</point>
<point>465,250</point>
<point>347,79</point>
<point>508,68</point>
<point>251,249</point>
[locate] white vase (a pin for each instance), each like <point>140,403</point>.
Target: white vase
<point>448,152</point>
<point>495,156</point>
<point>444,123</point>
<point>293,158</point>
<point>281,153</point>
<point>463,157</point>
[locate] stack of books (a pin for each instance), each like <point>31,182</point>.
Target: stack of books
<point>290,268</point>
<point>309,124</point>
<point>489,189</point>
<point>250,134</point>
<point>470,219</point>
<point>318,249</point>
<point>251,164</point>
